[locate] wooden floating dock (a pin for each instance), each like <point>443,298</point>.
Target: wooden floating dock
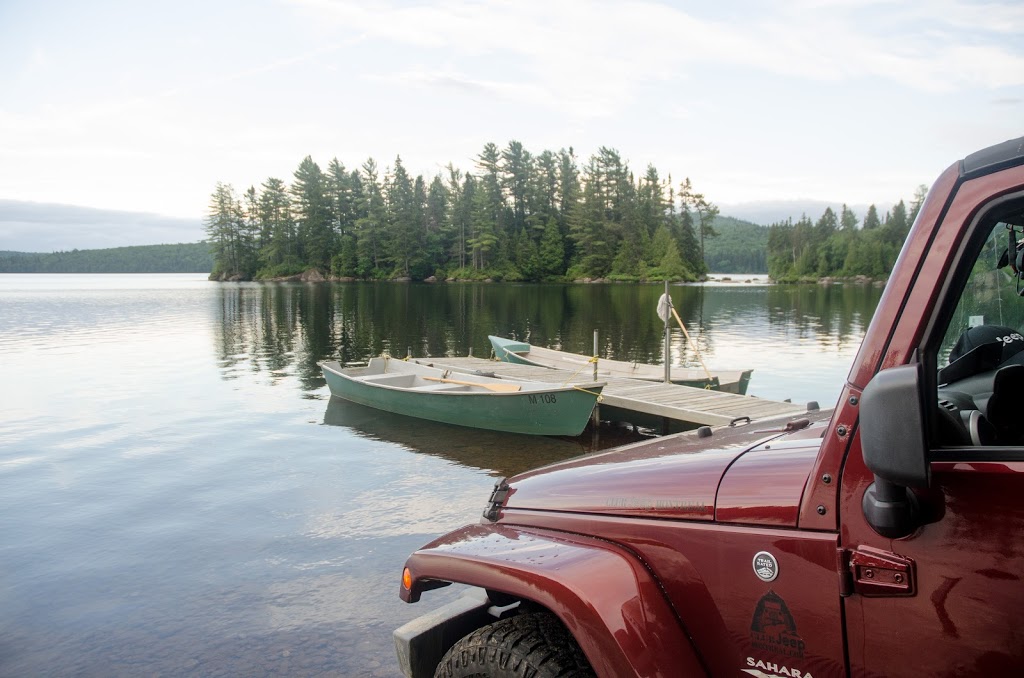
<point>654,399</point>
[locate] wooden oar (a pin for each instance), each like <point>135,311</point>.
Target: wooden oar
<point>500,388</point>
<point>692,345</point>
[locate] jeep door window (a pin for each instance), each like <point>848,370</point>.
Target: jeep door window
<point>980,359</point>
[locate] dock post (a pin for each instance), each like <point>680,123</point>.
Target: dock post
<point>596,414</point>
<point>668,344</point>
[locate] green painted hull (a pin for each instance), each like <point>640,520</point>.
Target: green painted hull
<point>539,409</point>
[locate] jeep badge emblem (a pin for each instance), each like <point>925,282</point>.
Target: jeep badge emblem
<point>765,566</point>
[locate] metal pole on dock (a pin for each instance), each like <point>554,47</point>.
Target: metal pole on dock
<point>668,347</point>
<point>596,415</point>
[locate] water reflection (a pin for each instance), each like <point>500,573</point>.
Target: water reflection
<point>833,314</point>
<point>499,454</point>
<point>287,328</point>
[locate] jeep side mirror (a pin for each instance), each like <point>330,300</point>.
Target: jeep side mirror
<point>893,441</point>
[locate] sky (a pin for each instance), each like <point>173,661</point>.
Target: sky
<point>138,108</point>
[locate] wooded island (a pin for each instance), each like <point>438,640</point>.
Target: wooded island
<point>520,217</point>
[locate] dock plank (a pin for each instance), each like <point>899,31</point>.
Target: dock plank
<point>672,401</point>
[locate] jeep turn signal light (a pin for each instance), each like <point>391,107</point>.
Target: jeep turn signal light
<point>407,579</point>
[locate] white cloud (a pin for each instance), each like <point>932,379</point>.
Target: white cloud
<point>576,46</point>
<point>40,227</point>
<point>830,99</point>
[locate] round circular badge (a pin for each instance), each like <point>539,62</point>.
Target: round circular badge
<point>765,566</point>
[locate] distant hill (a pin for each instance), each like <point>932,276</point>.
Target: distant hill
<point>180,258</point>
<point>767,212</point>
<point>740,247</point>
<point>46,227</point>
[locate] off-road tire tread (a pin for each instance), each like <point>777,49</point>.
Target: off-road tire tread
<point>534,645</point>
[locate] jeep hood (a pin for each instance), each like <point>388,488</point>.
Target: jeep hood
<point>749,474</point>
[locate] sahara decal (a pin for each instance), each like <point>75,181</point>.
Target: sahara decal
<point>773,628</point>
<point>762,669</point>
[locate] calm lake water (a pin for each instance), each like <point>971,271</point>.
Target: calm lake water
<point>179,495</point>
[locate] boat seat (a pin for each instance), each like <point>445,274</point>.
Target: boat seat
<point>442,387</point>
<point>405,380</point>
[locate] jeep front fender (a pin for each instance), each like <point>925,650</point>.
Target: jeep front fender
<point>605,596</point>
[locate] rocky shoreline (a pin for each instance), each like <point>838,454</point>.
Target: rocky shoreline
<point>314,276</point>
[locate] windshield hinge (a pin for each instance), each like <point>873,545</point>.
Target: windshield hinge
<point>496,501</point>
<point>845,577</point>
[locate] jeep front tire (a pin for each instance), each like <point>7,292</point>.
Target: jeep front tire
<point>534,644</point>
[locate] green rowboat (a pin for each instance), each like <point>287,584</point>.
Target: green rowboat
<point>511,351</point>
<point>464,399</point>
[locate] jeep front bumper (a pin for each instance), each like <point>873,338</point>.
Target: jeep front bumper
<point>421,643</point>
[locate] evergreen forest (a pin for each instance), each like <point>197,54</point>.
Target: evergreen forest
<point>516,217</point>
<point>836,246</point>
<point>519,217</point>
<point>739,247</point>
<point>180,258</point>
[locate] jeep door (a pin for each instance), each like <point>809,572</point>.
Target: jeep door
<point>943,594</point>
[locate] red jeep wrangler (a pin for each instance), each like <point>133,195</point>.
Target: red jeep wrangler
<point>883,538</point>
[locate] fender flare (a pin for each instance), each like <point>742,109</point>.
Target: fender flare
<point>607,598</point>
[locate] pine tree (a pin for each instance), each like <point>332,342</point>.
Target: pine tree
<point>225,223</point>
<point>458,217</point>
<point>672,266</point>
<point>804,248</point>
<point>589,223</point>
<point>371,222</point>
<point>568,196</point>
<point>871,220</point>
<point>781,251</point>
<point>406,239</point>
<point>667,262</point>
<point>896,225</point>
<point>276,226</point>
<point>689,246</point>
<point>847,219</point>
<point>552,251</point>
<point>488,209</point>
<point>705,212</point>
<point>483,237</point>
<point>312,210</point>
<point>542,203</point>
<point>828,261</point>
<point>516,168</point>
<point>435,223</point>
<point>650,202</point>
<point>339,193</point>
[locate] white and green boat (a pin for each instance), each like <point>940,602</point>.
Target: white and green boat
<point>511,351</point>
<point>464,399</point>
